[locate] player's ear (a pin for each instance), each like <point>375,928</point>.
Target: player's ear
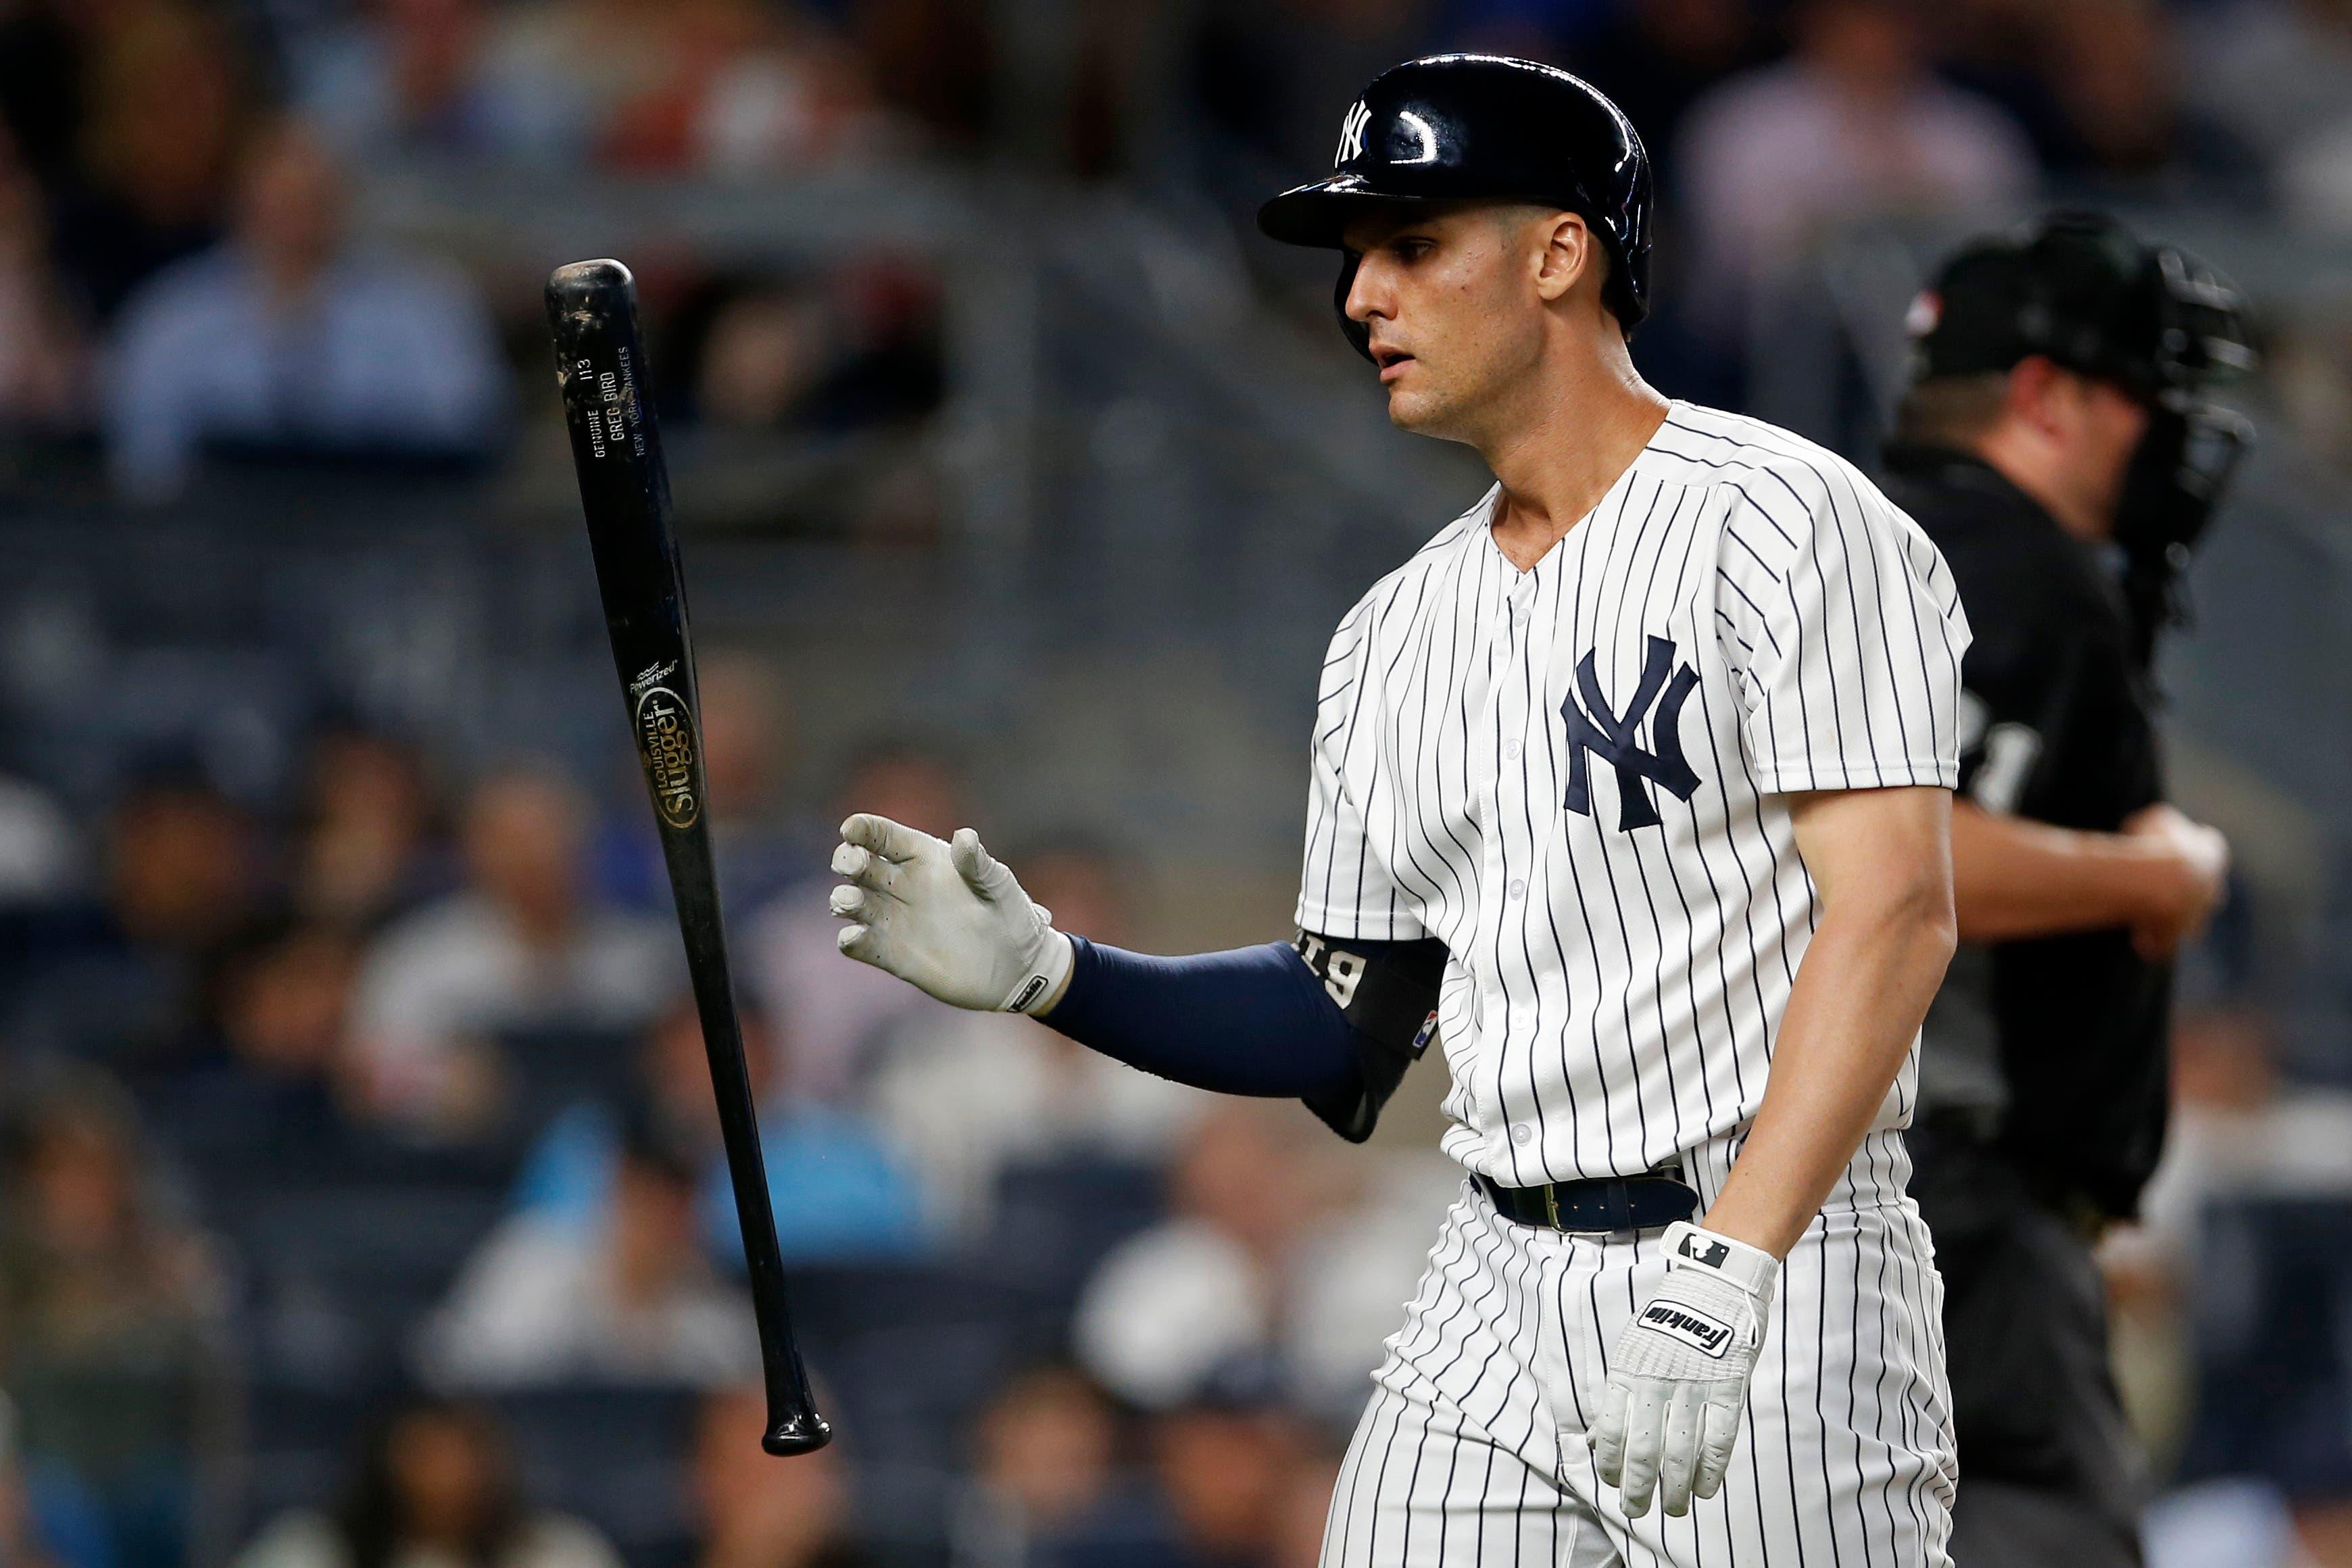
<point>1566,254</point>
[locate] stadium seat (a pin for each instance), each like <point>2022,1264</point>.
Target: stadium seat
<point>1055,1220</point>
<point>335,1276</point>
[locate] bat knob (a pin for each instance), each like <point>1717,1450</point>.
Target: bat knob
<point>590,277</point>
<point>798,1433</point>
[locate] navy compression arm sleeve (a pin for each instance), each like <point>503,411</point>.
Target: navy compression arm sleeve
<point>1336,1026</point>
<point>1253,1021</point>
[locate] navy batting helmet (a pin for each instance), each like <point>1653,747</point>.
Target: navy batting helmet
<point>1484,128</point>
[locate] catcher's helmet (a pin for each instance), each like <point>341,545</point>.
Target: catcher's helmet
<point>1482,127</point>
<point>2081,290</point>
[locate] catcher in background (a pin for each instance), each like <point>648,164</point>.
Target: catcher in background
<point>2057,421</point>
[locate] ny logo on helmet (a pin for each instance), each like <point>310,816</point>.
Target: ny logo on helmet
<point>1609,735</point>
<point>1351,134</point>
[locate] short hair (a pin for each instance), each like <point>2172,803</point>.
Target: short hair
<point>1951,410</point>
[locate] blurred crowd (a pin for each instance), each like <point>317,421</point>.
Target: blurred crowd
<point>361,1202</point>
<point>343,1133</point>
<point>182,275</point>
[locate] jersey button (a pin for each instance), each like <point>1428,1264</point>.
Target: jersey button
<point>1518,888</point>
<point>1511,750</point>
<point>1522,1133</point>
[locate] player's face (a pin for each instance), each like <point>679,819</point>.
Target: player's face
<point>1449,297</point>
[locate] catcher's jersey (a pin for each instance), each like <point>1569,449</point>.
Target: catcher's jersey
<point>1571,775</point>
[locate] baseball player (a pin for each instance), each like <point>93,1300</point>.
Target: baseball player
<point>1633,786</point>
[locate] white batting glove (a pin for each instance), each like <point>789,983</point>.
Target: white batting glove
<point>946,918</point>
<point>1678,1381</point>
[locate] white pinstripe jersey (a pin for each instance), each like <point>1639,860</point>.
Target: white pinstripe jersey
<point>1571,775</point>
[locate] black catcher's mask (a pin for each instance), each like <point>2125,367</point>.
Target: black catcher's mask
<point>2081,289</point>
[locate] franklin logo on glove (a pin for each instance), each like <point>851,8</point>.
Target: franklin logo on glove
<point>1702,1333</point>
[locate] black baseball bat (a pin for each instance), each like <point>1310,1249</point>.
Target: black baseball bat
<point>600,364</point>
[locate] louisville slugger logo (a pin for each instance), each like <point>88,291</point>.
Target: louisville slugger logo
<point>1702,1333</point>
<point>1608,734</point>
<point>666,741</point>
<point>1351,135</point>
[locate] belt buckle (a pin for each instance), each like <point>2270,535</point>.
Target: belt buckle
<point>1551,1205</point>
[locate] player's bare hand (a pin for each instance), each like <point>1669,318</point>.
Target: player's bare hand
<point>1679,1377</point>
<point>2193,865</point>
<point>946,917</point>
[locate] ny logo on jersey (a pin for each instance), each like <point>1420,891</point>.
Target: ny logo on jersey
<point>1351,135</point>
<point>1594,727</point>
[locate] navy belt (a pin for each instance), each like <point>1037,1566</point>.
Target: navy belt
<point>1616,1203</point>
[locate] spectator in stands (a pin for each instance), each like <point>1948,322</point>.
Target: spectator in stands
<point>283,1001</point>
<point>1656,57</point>
<point>573,71</point>
<point>835,1018</point>
<point>403,78</point>
<point>182,875</point>
<point>110,1323</point>
<point>289,340</point>
<point>931,60</point>
<point>746,756</point>
<point>1230,1275</point>
<point>41,72</point>
<point>433,1487</point>
<point>1852,124</point>
<point>1045,1449</point>
<point>366,842</point>
<point>1225,1459</point>
<point>2241,1238</point>
<point>274,1105</point>
<point>43,359</point>
<point>757,1513</point>
<point>40,855</point>
<point>1299,1512</point>
<point>854,351</point>
<point>2282,70</point>
<point>2278,73</point>
<point>725,85</point>
<point>519,946</point>
<point>838,1195</point>
<point>629,1298</point>
<point>2113,70</point>
<point>762,353</point>
<point>1231,1484</point>
<point>51,1525</point>
<point>963,1095</point>
<point>164,98</point>
<point>748,91</point>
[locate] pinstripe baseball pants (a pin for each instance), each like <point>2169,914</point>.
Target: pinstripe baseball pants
<point>1472,1453</point>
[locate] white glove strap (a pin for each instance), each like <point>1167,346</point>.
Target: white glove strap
<point>1048,977</point>
<point>1751,1268</point>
